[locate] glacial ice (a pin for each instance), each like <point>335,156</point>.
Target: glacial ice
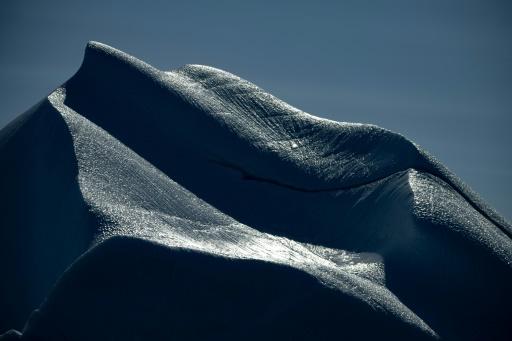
<point>192,204</point>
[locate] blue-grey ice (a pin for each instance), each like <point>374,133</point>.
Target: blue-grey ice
<point>190,204</point>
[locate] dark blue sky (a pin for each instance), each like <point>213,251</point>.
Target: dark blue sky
<point>439,72</point>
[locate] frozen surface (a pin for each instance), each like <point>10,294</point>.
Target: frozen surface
<point>200,198</point>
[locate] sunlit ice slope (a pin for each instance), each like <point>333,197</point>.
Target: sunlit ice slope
<point>192,204</point>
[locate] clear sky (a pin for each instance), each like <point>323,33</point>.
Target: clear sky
<point>439,72</point>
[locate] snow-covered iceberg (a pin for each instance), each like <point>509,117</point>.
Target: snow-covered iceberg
<point>190,204</point>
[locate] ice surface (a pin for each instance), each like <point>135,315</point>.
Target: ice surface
<point>307,227</point>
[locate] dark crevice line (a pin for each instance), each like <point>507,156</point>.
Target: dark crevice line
<point>251,177</point>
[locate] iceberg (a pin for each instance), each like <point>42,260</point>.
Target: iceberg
<point>190,204</point>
